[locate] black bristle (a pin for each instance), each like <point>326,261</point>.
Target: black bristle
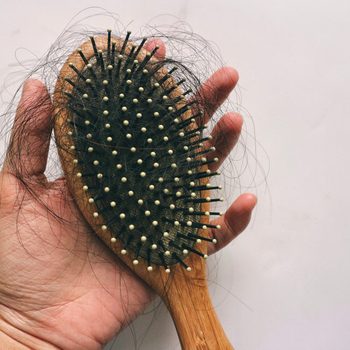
<point>191,249</point>
<point>80,75</point>
<point>83,56</point>
<point>125,42</point>
<point>93,43</point>
<point>109,44</point>
<point>147,58</point>
<point>139,48</point>
<point>113,54</point>
<point>101,61</point>
<point>181,261</point>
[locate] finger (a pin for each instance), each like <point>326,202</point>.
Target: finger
<point>224,137</point>
<point>30,136</point>
<point>216,90</point>
<point>152,44</point>
<point>233,222</point>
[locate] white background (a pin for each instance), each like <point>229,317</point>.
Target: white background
<point>285,283</point>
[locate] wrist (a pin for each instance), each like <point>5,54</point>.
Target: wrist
<point>14,338</point>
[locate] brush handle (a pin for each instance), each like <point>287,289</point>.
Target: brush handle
<point>194,316</point>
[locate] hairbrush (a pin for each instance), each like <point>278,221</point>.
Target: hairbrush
<point>131,144</point>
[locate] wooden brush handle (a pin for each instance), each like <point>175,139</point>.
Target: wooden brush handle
<point>195,319</point>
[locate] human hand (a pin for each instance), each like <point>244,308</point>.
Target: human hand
<point>60,287</point>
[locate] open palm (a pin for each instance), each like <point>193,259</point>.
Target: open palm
<point>60,287</point>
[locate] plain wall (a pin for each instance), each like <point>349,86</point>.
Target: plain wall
<point>285,283</point>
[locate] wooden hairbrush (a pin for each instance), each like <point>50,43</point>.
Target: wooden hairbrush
<point>131,146</point>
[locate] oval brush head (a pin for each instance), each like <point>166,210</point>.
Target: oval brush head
<point>136,147</point>
<point>131,144</point>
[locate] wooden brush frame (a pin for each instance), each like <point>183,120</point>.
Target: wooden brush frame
<point>185,293</point>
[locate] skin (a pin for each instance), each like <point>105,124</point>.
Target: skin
<point>60,287</point>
